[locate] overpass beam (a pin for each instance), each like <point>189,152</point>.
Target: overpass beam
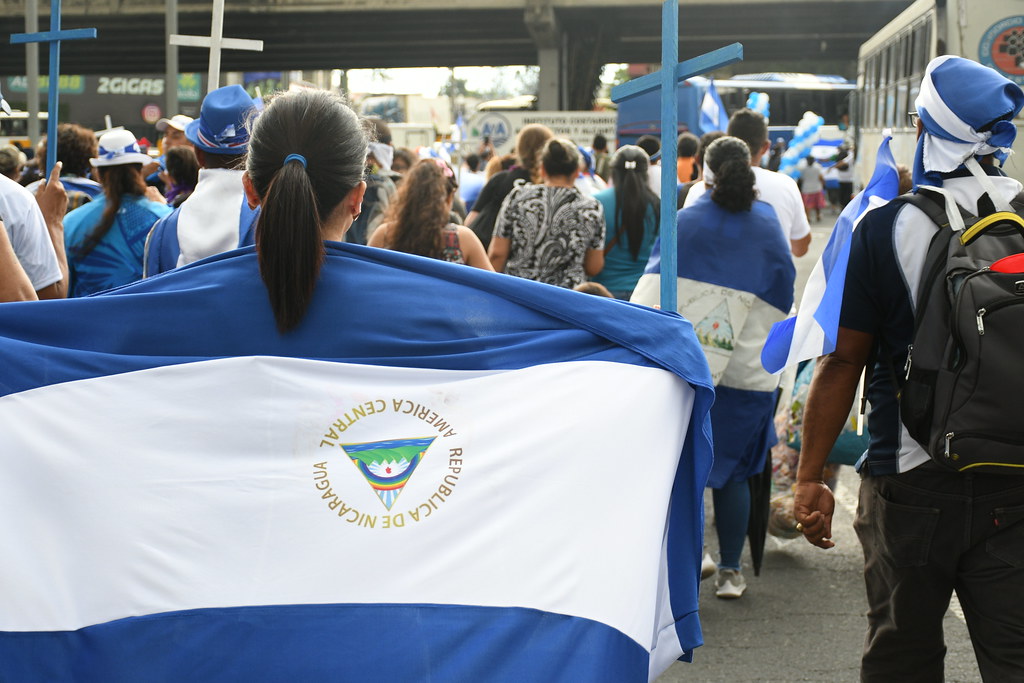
<point>549,37</point>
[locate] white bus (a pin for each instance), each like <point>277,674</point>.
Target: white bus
<point>14,128</point>
<point>891,65</point>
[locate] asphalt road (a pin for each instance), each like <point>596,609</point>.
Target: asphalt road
<point>803,618</point>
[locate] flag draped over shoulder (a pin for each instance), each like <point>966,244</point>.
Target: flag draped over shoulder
<point>712,112</point>
<point>441,474</point>
<point>812,332</point>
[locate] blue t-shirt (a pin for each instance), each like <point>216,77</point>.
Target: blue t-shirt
<point>470,185</point>
<point>621,271</point>
<point>117,259</point>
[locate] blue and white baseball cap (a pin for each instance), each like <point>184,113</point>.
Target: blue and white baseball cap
<point>223,123</point>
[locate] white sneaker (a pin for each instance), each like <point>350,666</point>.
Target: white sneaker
<point>708,567</point>
<point>730,584</point>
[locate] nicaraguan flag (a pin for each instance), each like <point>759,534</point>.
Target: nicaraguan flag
<point>712,112</point>
<point>442,474</point>
<point>812,332</point>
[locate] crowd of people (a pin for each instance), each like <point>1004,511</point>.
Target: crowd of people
<point>553,211</point>
<point>305,169</point>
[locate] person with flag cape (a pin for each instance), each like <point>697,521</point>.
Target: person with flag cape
<point>926,530</point>
<point>735,279</point>
<point>313,460</point>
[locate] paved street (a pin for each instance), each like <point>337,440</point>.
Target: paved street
<point>803,618</point>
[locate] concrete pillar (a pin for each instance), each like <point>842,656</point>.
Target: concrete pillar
<point>543,25</point>
<point>32,73</point>
<point>549,86</point>
<point>171,59</point>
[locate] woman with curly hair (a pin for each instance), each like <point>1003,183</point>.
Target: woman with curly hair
<point>417,221</point>
<point>735,281</point>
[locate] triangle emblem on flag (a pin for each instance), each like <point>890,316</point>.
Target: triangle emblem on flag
<point>388,465</point>
<point>715,329</point>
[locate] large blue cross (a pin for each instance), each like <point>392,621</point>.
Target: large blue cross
<point>672,72</point>
<point>54,37</point>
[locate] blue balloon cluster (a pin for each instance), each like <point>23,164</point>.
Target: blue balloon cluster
<point>758,101</point>
<point>805,136</point>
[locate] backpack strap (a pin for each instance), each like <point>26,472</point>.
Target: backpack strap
<point>932,205</point>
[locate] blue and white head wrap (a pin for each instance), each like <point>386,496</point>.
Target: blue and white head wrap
<point>957,98</point>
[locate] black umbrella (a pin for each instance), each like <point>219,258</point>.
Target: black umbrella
<point>760,509</point>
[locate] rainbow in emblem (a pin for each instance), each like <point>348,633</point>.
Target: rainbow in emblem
<point>388,465</point>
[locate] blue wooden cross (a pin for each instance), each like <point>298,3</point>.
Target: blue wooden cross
<point>672,72</point>
<point>54,37</point>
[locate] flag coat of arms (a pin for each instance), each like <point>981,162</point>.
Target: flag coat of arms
<point>441,475</point>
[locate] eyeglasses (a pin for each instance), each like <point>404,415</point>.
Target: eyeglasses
<point>913,117</point>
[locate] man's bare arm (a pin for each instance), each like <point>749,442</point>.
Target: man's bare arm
<point>828,406</point>
<point>14,283</point>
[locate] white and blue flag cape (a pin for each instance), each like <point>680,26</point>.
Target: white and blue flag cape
<point>812,332</point>
<point>442,474</point>
<point>735,278</point>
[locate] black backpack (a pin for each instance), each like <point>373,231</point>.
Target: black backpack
<point>964,377</point>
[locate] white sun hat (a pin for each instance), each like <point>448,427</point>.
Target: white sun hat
<point>119,147</point>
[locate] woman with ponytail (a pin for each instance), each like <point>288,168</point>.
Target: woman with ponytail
<point>735,281</point>
<point>417,220</point>
<point>106,238</point>
<point>307,154</point>
<point>631,220</point>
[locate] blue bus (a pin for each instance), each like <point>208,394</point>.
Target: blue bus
<point>790,95</point>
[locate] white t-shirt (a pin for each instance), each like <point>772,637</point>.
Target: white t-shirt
<point>654,179</point>
<point>778,190</point>
<point>29,237</point>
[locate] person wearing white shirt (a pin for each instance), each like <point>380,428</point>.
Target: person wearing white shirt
<point>778,190</point>
<point>30,239</point>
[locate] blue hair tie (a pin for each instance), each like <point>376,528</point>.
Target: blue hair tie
<point>295,157</point>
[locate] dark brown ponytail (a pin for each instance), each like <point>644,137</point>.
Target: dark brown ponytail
<point>306,153</point>
<point>117,181</point>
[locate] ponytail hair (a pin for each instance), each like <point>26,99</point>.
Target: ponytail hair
<point>529,145</point>
<point>117,180</point>
<point>633,196</point>
<point>307,151</point>
<point>732,179</point>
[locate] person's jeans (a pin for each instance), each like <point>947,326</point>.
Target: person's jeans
<point>925,533</point>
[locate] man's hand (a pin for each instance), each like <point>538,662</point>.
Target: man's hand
<point>53,203</point>
<point>813,506</point>
<point>52,197</point>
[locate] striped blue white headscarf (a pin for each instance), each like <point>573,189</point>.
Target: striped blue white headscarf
<point>957,98</point>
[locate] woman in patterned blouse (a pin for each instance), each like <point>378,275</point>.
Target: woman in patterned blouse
<point>550,233</point>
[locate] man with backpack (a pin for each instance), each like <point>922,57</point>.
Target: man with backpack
<point>929,520</point>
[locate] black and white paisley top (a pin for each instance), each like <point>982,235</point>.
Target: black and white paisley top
<point>550,229</point>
